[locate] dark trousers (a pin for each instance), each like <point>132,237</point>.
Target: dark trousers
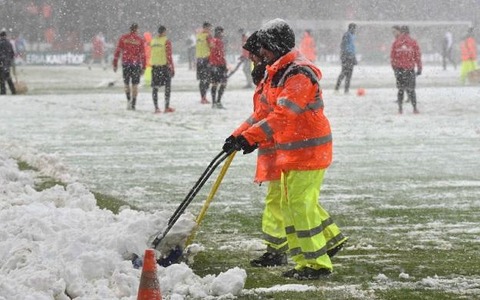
<point>406,82</point>
<point>203,75</point>
<point>447,55</point>
<point>6,78</point>
<point>347,71</point>
<point>161,76</point>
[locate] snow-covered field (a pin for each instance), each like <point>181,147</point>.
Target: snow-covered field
<point>71,126</point>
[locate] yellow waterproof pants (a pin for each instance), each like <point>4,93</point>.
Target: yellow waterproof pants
<point>272,220</point>
<point>147,76</point>
<point>308,226</point>
<point>466,67</point>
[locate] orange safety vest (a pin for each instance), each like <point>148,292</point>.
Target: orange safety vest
<point>300,130</point>
<point>468,49</point>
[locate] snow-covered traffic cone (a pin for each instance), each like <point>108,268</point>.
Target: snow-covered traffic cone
<point>149,288</point>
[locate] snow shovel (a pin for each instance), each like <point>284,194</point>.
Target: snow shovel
<point>175,254</point>
<point>214,189</point>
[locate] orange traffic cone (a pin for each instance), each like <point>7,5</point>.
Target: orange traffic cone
<point>149,285</point>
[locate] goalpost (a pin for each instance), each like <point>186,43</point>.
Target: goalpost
<point>374,38</point>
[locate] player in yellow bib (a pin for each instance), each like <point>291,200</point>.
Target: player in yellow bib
<point>162,67</point>
<point>202,53</point>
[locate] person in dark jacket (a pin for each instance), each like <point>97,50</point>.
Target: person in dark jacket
<point>6,62</point>
<point>347,57</point>
<point>404,56</point>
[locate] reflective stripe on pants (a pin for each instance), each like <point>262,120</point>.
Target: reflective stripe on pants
<point>305,220</point>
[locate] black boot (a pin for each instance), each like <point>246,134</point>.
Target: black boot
<point>134,102</point>
<point>269,259</point>
<point>332,252</point>
<point>307,274</point>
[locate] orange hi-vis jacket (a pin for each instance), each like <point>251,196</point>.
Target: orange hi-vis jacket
<point>147,36</point>
<point>307,47</point>
<point>468,49</point>
<point>266,159</point>
<point>300,130</point>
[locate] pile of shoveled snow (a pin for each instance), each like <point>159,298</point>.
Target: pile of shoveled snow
<point>57,244</point>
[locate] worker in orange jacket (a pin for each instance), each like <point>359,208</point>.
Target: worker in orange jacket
<point>303,150</point>
<point>272,221</point>
<point>307,46</point>
<point>468,50</point>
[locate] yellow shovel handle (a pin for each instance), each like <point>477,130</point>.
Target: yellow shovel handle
<point>214,189</point>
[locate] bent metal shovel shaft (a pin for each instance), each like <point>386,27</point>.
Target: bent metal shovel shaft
<point>190,196</point>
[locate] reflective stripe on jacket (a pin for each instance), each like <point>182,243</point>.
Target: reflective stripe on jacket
<point>300,130</point>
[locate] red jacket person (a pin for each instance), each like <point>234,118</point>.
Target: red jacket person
<point>131,47</point>
<point>404,56</point>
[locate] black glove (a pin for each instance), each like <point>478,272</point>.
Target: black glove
<point>230,144</point>
<point>258,72</point>
<point>419,72</point>
<point>242,144</point>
